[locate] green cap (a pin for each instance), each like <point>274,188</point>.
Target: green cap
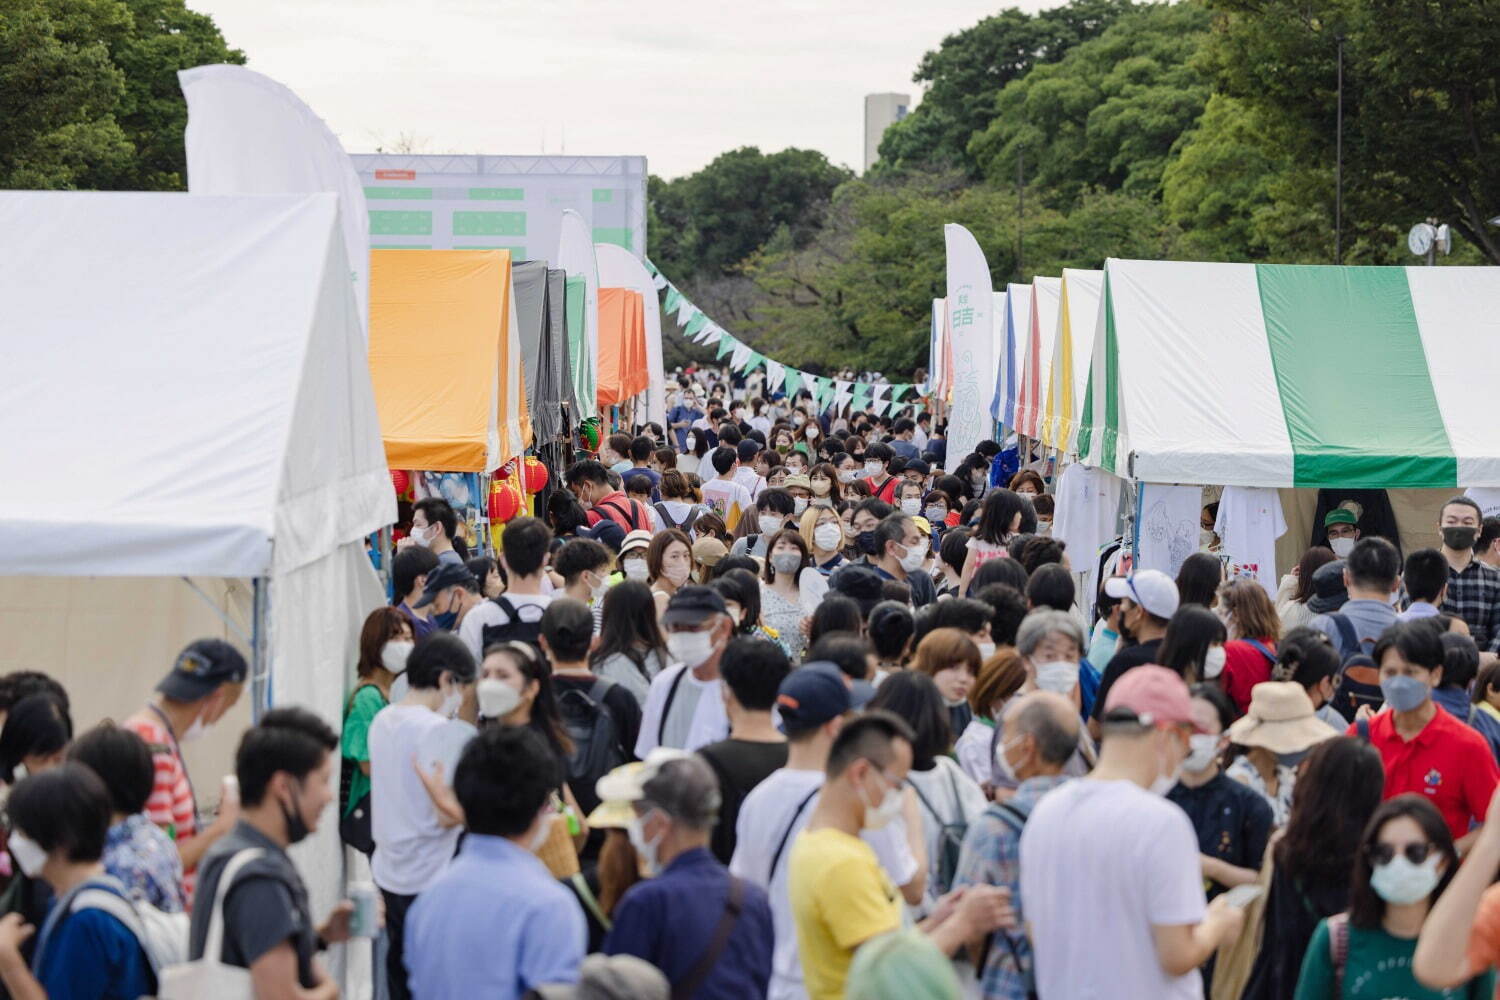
<point>1340,515</point>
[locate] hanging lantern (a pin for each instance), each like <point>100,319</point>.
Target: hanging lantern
<point>506,500</point>
<point>534,475</point>
<point>400,481</point>
<point>505,471</point>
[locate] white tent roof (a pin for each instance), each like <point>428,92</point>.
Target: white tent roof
<point>188,390</point>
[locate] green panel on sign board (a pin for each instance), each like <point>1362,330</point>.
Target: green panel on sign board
<point>516,253</point>
<point>407,194</point>
<point>497,194</point>
<point>400,246</point>
<point>400,223</point>
<point>620,237</point>
<point>489,223</point>
<point>603,194</point>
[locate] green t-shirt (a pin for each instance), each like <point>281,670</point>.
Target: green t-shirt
<point>1378,968</point>
<point>363,707</point>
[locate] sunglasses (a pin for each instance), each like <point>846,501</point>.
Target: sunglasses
<point>1384,854</point>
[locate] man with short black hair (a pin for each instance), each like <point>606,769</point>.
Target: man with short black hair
<point>285,769</point>
<point>752,670</point>
<point>1487,549</point>
<point>584,565</point>
<point>434,523</point>
<point>515,614</point>
<point>746,475</point>
<point>709,932</point>
<point>589,482</point>
<point>495,923</point>
<point>900,551</point>
<point>409,569</point>
<point>1371,576</point>
<point>451,592</point>
<point>878,457</point>
<point>723,494</point>
<point>1473,587</point>
<point>903,430</point>
<point>773,510</point>
<point>1426,582</point>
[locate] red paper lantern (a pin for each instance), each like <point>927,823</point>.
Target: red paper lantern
<point>400,481</point>
<point>506,500</point>
<point>505,471</point>
<point>534,475</point>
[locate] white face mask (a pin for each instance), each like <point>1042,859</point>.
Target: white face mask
<point>599,589</point>
<point>1341,546</point>
<point>912,559</point>
<point>635,569</point>
<point>394,653</point>
<point>812,433</point>
<point>636,831</point>
<point>497,699</point>
<point>423,536</point>
<point>1202,749</point>
<point>873,468</point>
<point>1397,881</point>
<point>986,650</point>
<point>846,475</point>
<point>799,505</point>
<point>451,702</point>
<point>1058,676</point>
<point>828,537</point>
<point>911,507</point>
<point>1205,538</point>
<point>1213,662</point>
<point>879,816</point>
<point>1165,782</point>
<point>936,514</point>
<point>29,854</point>
<point>692,442</point>
<point>194,732</point>
<point>690,648</point>
<point>1003,764</point>
<point>770,523</point>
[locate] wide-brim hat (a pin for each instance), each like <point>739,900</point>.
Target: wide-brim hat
<point>1281,719</point>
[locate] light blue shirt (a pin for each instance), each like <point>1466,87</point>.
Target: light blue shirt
<point>1419,609</point>
<point>494,924</point>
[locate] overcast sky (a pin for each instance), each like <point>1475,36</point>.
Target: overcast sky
<point>676,81</point>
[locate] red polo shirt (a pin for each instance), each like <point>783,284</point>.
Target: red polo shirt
<point>1448,764</point>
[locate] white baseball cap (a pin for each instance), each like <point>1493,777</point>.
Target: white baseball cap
<point>1150,588</point>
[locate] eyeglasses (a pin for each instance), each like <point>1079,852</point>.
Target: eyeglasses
<point>1384,854</point>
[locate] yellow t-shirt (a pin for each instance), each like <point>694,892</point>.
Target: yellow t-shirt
<point>840,899</point>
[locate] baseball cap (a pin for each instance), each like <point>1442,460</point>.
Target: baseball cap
<point>918,466</point>
<point>858,581</point>
<point>201,668</point>
<point>708,551</point>
<point>1154,695</point>
<point>639,539</point>
<point>1150,588</point>
<point>1339,515</point>
<point>1328,590</point>
<point>448,574</point>
<point>816,692</point>
<point>691,605</point>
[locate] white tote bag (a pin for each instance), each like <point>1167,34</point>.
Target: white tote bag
<point>209,977</point>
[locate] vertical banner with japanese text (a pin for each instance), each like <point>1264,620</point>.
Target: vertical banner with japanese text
<point>970,334</point>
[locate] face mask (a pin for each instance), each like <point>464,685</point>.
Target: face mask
<point>1401,882</point>
<point>394,653</point>
<point>635,569</point>
<point>692,442</point>
<point>936,514</point>
<point>1213,662</point>
<point>422,537</point>
<point>635,830</point>
<point>846,475</point>
<point>821,487</point>
<point>1058,676</point>
<point>1404,693</point>
<point>1460,539</point>
<point>28,853</point>
<point>597,592</point>
<point>828,536</point>
<point>1003,765</point>
<point>194,732</point>
<point>986,650</point>
<point>798,420</point>
<point>812,433</point>
<point>1341,546</point>
<point>690,648</point>
<point>1164,782</point>
<point>873,468</point>
<point>865,542</point>
<point>677,575</point>
<point>769,523</point>
<point>911,507</point>
<point>451,702</point>
<point>497,699</point>
<point>1205,538</point>
<point>786,562</point>
<point>799,505</point>
<point>446,621</point>
<point>912,559</point>
<point>1202,749</point>
<point>879,816</point>
<point>296,826</point>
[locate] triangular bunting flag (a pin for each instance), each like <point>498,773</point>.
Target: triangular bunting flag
<point>726,345</point>
<point>753,362</point>
<point>697,323</point>
<point>899,390</point>
<point>860,398</point>
<point>740,356</point>
<point>712,334</point>
<point>685,312</point>
<point>674,299</point>
<point>793,382</point>
<point>775,374</point>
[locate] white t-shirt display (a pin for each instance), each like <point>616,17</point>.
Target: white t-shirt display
<point>471,629</point>
<point>695,719</point>
<point>1087,507</point>
<point>775,809</point>
<point>1249,523</point>
<point>955,798</point>
<point>1091,901</point>
<point>1170,521</point>
<point>1487,497</point>
<point>412,847</point>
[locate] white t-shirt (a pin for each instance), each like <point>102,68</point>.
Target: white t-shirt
<point>1249,523</point>
<point>471,629</point>
<point>1091,901</point>
<point>1088,501</point>
<point>972,748</point>
<point>956,798</point>
<point>696,719</point>
<point>747,478</point>
<point>411,846</point>
<point>765,816</point>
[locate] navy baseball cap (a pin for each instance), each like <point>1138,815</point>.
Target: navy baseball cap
<point>691,605</point>
<point>816,692</point>
<point>202,668</point>
<point>448,574</point>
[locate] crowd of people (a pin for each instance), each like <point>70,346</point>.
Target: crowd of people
<point>766,704</point>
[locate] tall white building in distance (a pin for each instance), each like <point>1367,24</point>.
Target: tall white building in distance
<point>881,111</point>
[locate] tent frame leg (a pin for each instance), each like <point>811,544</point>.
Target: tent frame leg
<point>222,615</point>
<point>260,650</point>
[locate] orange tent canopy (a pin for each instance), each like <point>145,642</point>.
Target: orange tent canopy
<point>622,346</point>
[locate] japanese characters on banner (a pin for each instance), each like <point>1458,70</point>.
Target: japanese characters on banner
<point>877,397</point>
<point>970,334</point>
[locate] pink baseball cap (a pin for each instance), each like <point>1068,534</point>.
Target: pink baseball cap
<point>1157,696</point>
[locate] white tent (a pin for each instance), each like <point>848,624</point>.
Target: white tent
<point>188,396</point>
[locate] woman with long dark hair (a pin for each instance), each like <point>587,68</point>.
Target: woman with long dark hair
<point>1002,516</point>
<point>385,642</point>
<point>1198,579</point>
<point>1338,792</point>
<point>631,649</point>
<point>1297,588</point>
<point>1194,644</point>
<point>1405,861</point>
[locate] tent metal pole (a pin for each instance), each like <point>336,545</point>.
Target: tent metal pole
<point>385,558</point>
<point>222,615</point>
<point>260,650</point>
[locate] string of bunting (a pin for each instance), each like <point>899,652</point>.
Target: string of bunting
<point>877,397</point>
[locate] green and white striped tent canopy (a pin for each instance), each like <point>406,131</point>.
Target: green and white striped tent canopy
<point>1290,375</point>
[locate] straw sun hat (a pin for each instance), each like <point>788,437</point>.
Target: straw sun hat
<point>1281,719</point>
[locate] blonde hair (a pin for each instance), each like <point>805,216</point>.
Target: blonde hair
<point>809,524</point>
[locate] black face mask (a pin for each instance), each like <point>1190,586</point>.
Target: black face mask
<point>296,826</point>
<point>865,542</point>
<point>1460,538</point>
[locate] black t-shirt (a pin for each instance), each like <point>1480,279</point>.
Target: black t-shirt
<point>740,765</point>
<point>266,905</point>
<point>1138,655</point>
<point>1233,822</point>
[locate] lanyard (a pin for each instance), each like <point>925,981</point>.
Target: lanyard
<point>177,749</point>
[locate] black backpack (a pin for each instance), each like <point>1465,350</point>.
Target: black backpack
<point>950,837</point>
<point>515,629</point>
<point>1359,678</point>
<point>687,522</point>
<point>595,736</point>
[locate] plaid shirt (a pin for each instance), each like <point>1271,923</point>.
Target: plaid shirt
<point>992,856</point>
<point>1474,596</point>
